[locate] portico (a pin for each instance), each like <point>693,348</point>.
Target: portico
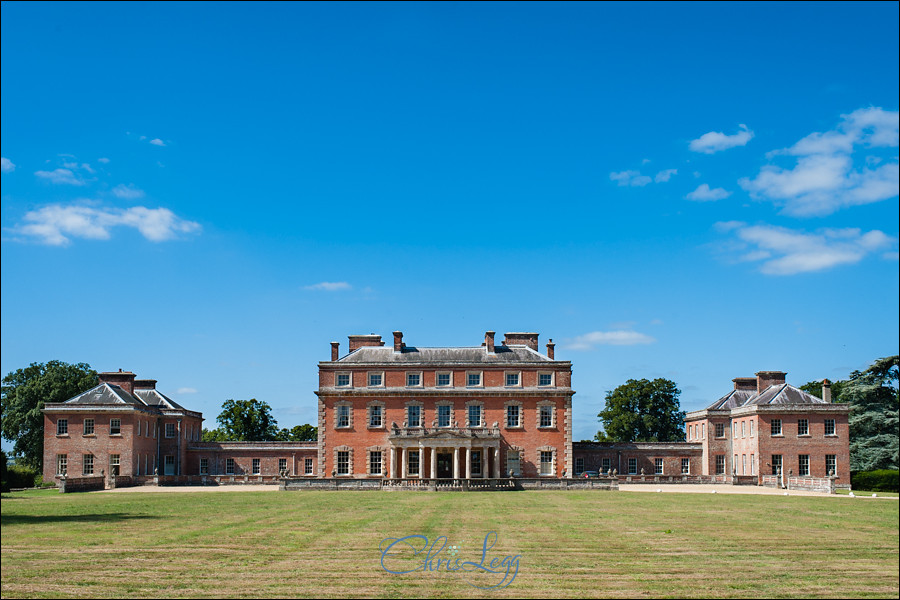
<point>444,453</point>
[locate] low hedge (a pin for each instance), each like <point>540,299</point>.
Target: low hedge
<point>883,480</point>
<point>22,477</point>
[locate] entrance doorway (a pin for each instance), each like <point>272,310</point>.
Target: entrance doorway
<point>444,466</point>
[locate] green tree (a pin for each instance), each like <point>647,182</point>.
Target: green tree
<point>213,435</point>
<point>24,393</point>
<point>247,421</point>
<point>815,388</point>
<point>299,433</point>
<point>642,411</point>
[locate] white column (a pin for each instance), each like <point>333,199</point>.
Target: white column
<point>497,462</point>
<point>403,462</point>
<point>456,463</point>
<point>421,460</point>
<point>469,462</point>
<point>433,473</point>
<point>391,466</point>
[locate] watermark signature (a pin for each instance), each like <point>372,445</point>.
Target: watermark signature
<point>417,553</point>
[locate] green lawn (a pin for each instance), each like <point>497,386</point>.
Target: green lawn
<point>575,544</point>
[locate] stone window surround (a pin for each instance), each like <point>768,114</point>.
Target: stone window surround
<point>538,451</point>
<point>421,406</point>
<point>478,403</point>
<point>415,385</point>
<point>369,405</point>
<point>437,374</point>
<point>506,406</point>
<point>480,375</point>
<point>349,450</point>
<point>437,411</point>
<point>518,375</point>
<point>552,406</point>
<point>349,375</point>
<point>337,412</point>
<point>384,460</point>
<point>552,375</point>
<point>521,452</point>
<point>369,375</point>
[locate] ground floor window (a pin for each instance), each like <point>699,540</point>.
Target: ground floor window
<point>743,464</point>
<point>114,464</point>
<point>512,462</point>
<point>605,464</point>
<point>204,466</point>
<point>752,462</point>
<point>343,462</point>
<point>685,466</point>
<point>170,465</point>
<point>412,462</point>
<point>229,466</point>
<point>87,464</point>
<point>62,464</point>
<point>804,465</point>
<point>282,465</point>
<point>579,466</point>
<point>308,466</point>
<point>830,464</point>
<point>720,464</point>
<point>256,466</point>
<point>658,465</point>
<point>476,462</point>
<point>632,466</point>
<point>776,464</point>
<point>375,463</point>
<point>546,462</point>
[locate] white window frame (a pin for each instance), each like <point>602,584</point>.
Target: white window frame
<point>342,463</point>
<point>370,411</point>
<point>115,460</point>
<point>685,466</point>
<point>369,379</point>
<point>480,405</point>
<point>514,461</point>
<point>777,463</point>
<point>416,374</point>
<point>410,462</point>
<point>372,455</point>
<point>229,466</point>
<point>476,465</point>
<point>632,466</point>
<point>542,406</point>
<point>62,464</point>
<point>659,466</point>
<point>721,464</point>
<point>256,466</point>
<point>552,375</point>
<point>88,423</point>
<point>282,465</point>
<point>543,452</point>
<point>579,465</point>
<point>831,467</point>
<point>339,408</point>
<point>743,429</point>
<point>779,428</point>
<point>307,466</point>
<point>337,378</point>
<point>470,374</point>
<point>519,411</point>
<point>204,466</point>
<point>800,466</point>
<point>605,464</point>
<point>87,460</point>
<point>516,374</point>
<point>62,427</point>
<point>833,424</point>
<point>118,426</point>
<point>802,427</point>
<point>716,427</point>
<point>406,410</point>
<point>437,414</point>
<point>437,378</point>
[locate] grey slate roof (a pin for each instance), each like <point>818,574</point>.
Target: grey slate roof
<point>781,393</point>
<point>155,398</point>
<point>105,393</point>
<point>414,355</point>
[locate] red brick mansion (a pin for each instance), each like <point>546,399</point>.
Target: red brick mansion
<point>402,413</point>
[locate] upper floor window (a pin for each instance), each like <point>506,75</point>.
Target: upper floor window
<point>375,418</point>
<point>62,427</point>
<point>545,379</point>
<point>751,428</point>
<point>87,464</point>
<point>115,426</point>
<point>413,416</point>
<point>776,426</point>
<point>512,379</point>
<point>376,379</point>
<point>443,379</point>
<point>343,415</point>
<point>88,427</point>
<point>546,416</point>
<point>829,427</point>
<point>803,427</point>
<point>413,379</point>
<point>743,428</point>
<point>170,430</point>
<point>473,378</point>
<point>512,416</point>
<point>720,430</point>
<point>342,379</point>
<point>474,415</point>
<point>443,414</point>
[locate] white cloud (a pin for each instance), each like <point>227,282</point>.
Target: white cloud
<point>6,165</point>
<point>186,390</point>
<point>608,338</point>
<point>704,194</point>
<point>630,178</point>
<point>783,251</point>
<point>824,178</point>
<point>127,192</point>
<point>329,286</point>
<point>56,224</point>
<point>716,141</point>
<point>105,161</point>
<point>60,176</point>
<point>665,175</point>
<point>157,142</point>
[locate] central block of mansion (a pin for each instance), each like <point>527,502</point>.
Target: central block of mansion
<point>406,412</point>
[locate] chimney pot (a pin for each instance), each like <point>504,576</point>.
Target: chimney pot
<point>550,349</point>
<point>398,341</point>
<point>489,341</point>
<point>826,391</point>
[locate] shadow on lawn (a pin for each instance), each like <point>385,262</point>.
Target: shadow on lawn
<point>98,518</point>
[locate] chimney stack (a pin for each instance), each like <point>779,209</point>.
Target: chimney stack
<point>398,341</point>
<point>145,384</point>
<point>744,383</point>
<point>522,339</point>
<point>550,347</point>
<point>335,352</point>
<point>489,341</point>
<point>766,378</point>
<point>123,379</point>
<point>360,341</point>
<point>826,391</point>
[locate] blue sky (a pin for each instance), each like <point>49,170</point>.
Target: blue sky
<point>208,194</point>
